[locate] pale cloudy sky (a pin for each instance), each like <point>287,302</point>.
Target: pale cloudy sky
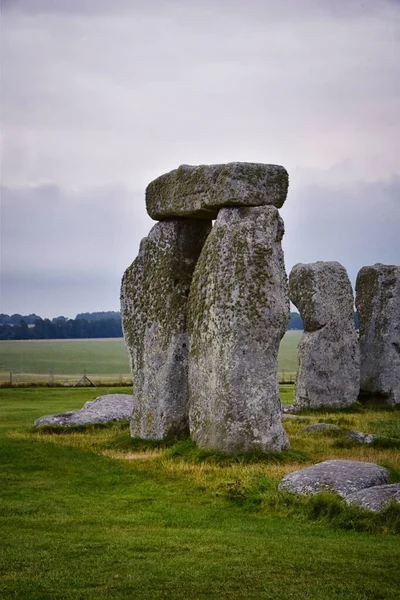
<point>100,97</point>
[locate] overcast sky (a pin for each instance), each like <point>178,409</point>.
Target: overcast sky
<point>99,97</point>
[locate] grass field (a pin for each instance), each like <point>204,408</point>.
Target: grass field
<point>92,514</point>
<point>103,359</point>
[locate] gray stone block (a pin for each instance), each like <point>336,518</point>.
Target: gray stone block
<point>328,353</point>
<point>340,476</point>
<point>154,294</point>
<point>375,498</point>
<point>104,409</point>
<point>200,191</point>
<point>378,307</point>
<point>238,312</point>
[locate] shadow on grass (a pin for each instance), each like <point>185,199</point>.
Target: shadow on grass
<point>356,408</point>
<point>68,429</point>
<point>188,451</point>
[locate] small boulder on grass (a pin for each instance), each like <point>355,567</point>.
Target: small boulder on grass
<point>360,437</point>
<point>340,476</point>
<point>104,409</point>
<point>375,498</point>
<point>317,427</point>
<point>289,408</point>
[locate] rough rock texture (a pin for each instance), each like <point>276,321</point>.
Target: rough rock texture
<point>359,436</point>
<point>329,357</point>
<point>200,191</point>
<point>341,476</point>
<point>238,312</point>
<point>378,307</point>
<point>154,294</point>
<point>111,407</point>
<point>317,427</point>
<point>375,498</point>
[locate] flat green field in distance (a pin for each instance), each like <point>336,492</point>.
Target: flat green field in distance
<point>91,514</point>
<point>103,359</point>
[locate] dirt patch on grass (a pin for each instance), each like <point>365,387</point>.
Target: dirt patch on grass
<point>132,455</point>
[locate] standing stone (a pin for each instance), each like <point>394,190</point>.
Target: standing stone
<point>378,307</point>
<point>237,314</point>
<point>200,191</point>
<point>329,361</point>
<point>154,296</point>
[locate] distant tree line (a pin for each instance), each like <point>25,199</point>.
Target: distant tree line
<point>100,316</point>
<point>295,321</point>
<point>85,325</point>
<point>33,327</point>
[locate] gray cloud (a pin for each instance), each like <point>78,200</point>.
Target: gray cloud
<point>355,223</point>
<point>56,243</point>
<point>70,250</point>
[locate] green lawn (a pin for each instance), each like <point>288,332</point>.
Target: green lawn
<point>90,515</point>
<point>103,359</point>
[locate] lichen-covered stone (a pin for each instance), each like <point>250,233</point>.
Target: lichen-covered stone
<point>154,294</point>
<point>341,476</point>
<point>238,312</point>
<point>200,191</point>
<point>378,307</point>
<point>328,353</point>
<point>104,409</point>
<point>376,498</point>
<point>360,437</point>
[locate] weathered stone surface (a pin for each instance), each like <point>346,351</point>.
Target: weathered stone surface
<point>238,312</point>
<point>375,498</point>
<point>200,191</point>
<point>378,307</point>
<point>111,407</point>
<point>328,353</point>
<point>317,427</point>
<point>341,476</point>
<point>154,295</point>
<point>360,437</point>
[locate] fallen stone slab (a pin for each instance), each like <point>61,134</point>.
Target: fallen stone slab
<point>360,437</point>
<point>375,498</point>
<point>343,477</point>
<point>104,409</point>
<point>378,307</point>
<point>317,427</point>
<point>200,191</point>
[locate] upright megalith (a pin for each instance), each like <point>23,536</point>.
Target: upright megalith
<point>238,311</point>
<point>378,307</point>
<point>329,357</point>
<point>154,295</point>
<point>200,191</point>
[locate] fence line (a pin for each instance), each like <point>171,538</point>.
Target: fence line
<point>16,378</point>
